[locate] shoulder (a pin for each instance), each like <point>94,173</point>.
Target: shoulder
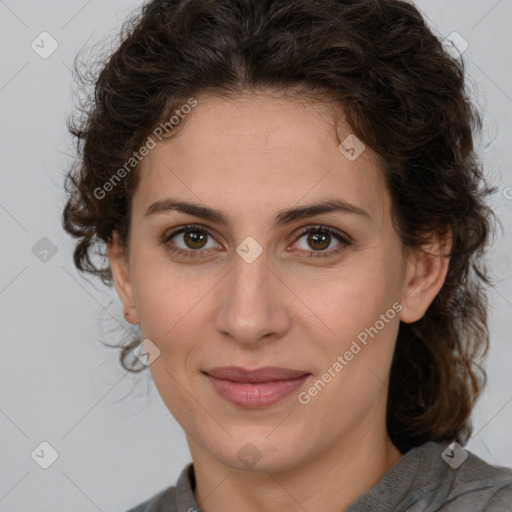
<point>451,479</point>
<point>164,501</point>
<point>440,477</point>
<point>479,486</point>
<point>167,500</point>
<point>501,501</point>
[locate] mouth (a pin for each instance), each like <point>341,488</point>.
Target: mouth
<point>257,388</point>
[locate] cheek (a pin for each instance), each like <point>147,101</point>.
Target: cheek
<point>352,298</point>
<point>166,297</point>
<point>359,313</point>
<point>169,311</point>
<point>355,360</point>
<point>174,390</point>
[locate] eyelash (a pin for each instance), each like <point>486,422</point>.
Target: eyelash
<point>345,242</point>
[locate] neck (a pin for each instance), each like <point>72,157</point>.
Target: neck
<point>329,481</point>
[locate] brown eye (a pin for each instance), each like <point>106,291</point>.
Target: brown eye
<point>319,241</point>
<point>195,239</point>
<point>315,240</point>
<point>191,241</point>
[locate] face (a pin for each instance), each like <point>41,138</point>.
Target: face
<point>266,282</point>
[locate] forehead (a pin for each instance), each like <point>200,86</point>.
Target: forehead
<point>257,152</point>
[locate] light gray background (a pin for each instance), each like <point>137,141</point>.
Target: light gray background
<point>116,441</point>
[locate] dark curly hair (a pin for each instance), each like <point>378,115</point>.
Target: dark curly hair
<point>402,94</point>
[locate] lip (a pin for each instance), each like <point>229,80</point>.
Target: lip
<point>256,388</point>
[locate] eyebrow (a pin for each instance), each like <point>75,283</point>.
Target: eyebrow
<point>283,217</point>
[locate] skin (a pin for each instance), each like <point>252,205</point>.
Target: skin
<point>250,157</point>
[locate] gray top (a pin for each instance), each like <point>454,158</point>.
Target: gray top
<point>421,481</point>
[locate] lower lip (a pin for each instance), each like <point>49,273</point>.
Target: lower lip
<point>251,395</point>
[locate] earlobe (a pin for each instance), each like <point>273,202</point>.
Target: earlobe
<point>426,270</point>
<point>121,277</point>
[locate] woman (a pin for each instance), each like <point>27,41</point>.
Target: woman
<point>294,215</point>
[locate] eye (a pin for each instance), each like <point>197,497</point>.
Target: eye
<point>319,238</point>
<point>190,240</point>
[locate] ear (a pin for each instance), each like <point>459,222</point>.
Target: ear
<point>121,276</point>
<point>426,270</point>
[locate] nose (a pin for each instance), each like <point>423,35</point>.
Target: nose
<point>254,304</point>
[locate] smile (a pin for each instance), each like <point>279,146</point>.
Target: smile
<point>255,388</point>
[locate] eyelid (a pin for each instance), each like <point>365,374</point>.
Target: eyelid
<point>328,229</point>
<point>189,227</point>
<point>183,229</point>
<point>344,239</point>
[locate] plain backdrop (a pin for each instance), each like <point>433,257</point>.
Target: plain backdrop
<point>117,444</point>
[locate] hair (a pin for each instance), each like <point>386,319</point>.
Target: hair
<point>401,93</point>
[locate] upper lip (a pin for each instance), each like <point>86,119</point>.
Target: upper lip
<point>266,374</point>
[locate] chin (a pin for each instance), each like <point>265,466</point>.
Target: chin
<point>261,452</point>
